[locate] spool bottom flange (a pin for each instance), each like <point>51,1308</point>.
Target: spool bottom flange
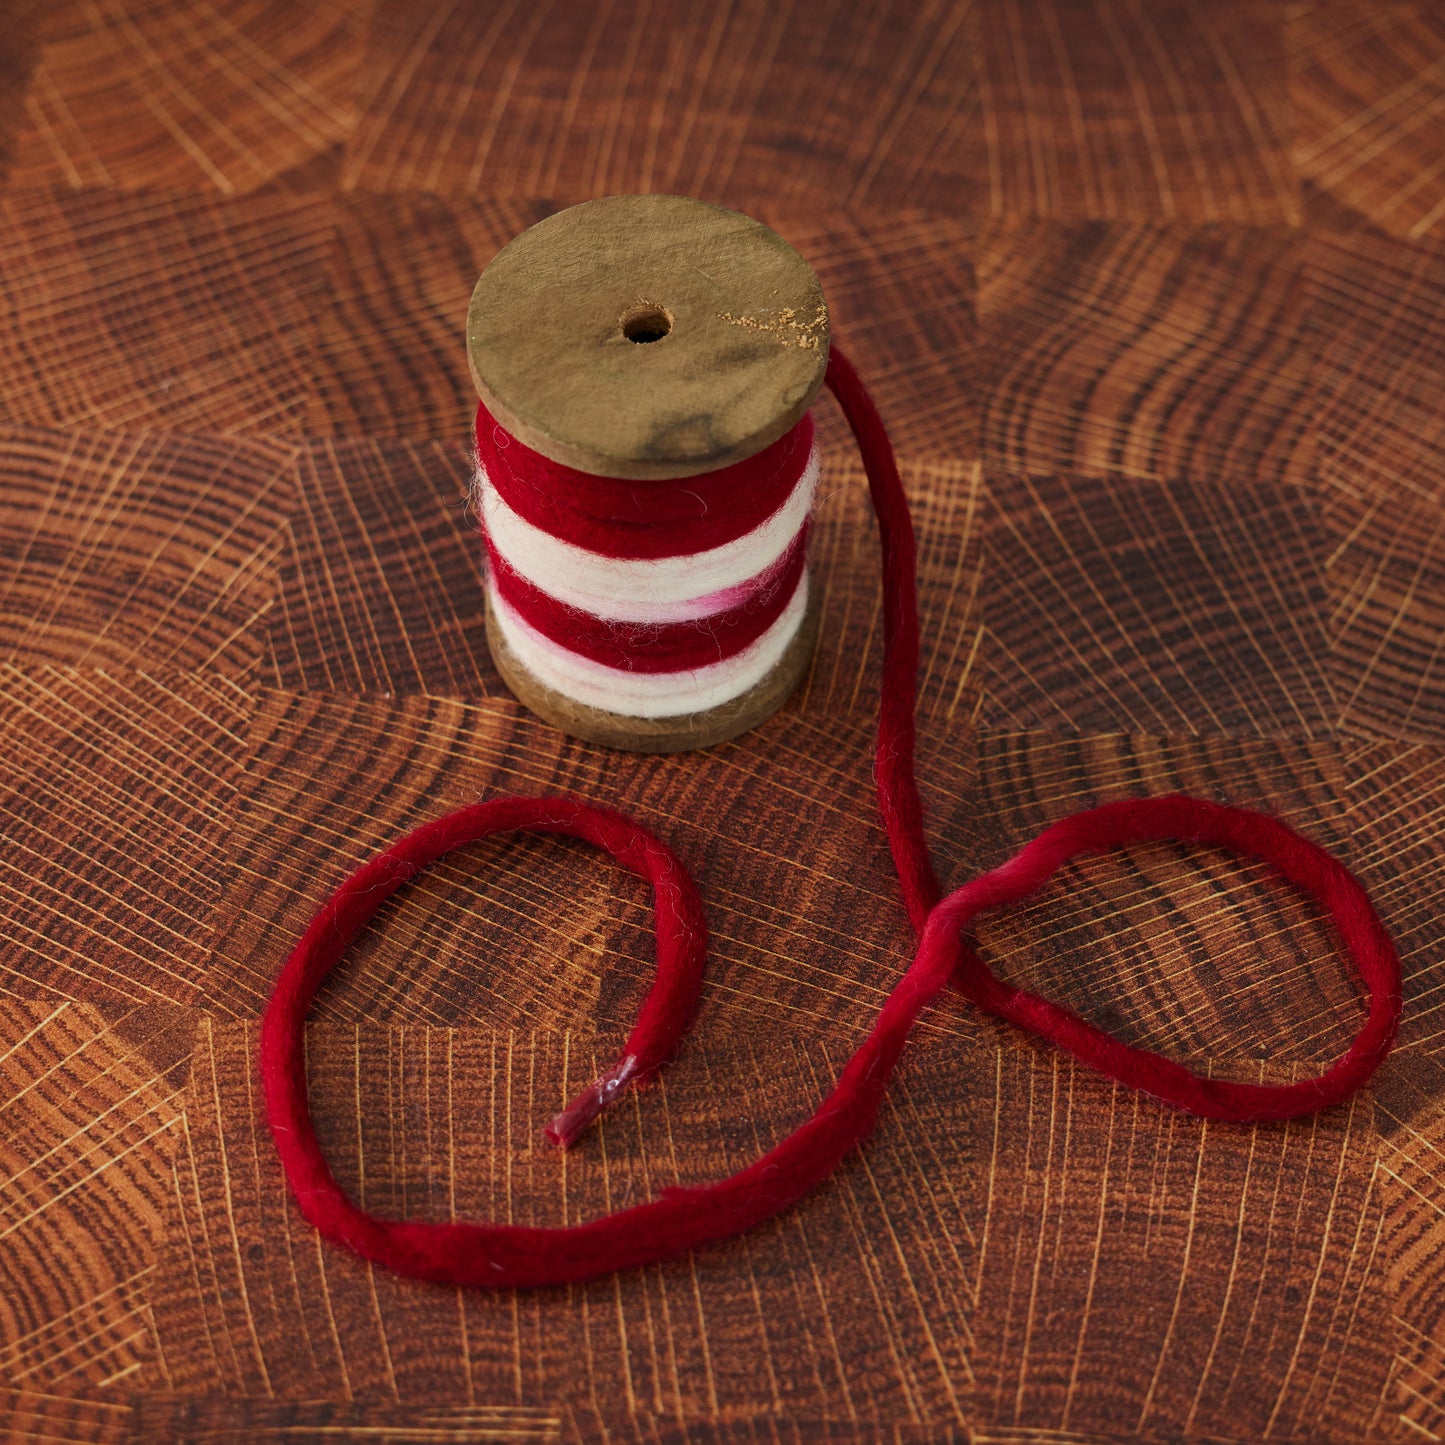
<point>683,733</point>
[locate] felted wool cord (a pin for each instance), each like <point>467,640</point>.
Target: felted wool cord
<point>633,629</point>
<point>645,589</point>
<point>741,616</point>
<point>617,517</point>
<point>641,693</point>
<point>504,1256</point>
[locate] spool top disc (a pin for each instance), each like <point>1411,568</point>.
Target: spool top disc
<point>648,336</point>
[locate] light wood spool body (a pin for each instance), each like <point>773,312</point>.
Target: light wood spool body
<point>736,349</point>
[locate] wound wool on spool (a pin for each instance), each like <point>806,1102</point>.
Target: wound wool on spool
<point>694,687</point>
<point>646,468</point>
<point>643,600</point>
<point>506,1256</point>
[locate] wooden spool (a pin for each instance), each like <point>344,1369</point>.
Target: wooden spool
<point>649,337</point>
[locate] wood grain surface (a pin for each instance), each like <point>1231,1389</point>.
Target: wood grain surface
<point>1153,300</point>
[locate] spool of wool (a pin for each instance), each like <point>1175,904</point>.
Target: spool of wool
<point>646,468</point>
<point>645,525</point>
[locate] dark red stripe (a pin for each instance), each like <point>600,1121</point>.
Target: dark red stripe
<point>641,647</point>
<point>619,518</point>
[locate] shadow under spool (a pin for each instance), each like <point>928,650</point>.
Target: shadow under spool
<point>652,338</point>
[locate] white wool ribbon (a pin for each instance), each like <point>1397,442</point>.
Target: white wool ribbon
<point>648,590</point>
<point>648,694</point>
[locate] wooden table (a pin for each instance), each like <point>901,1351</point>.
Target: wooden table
<point>1153,300</point>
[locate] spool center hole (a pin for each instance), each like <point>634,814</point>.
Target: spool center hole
<point>646,323</point>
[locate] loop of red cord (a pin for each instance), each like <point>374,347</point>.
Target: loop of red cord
<point>504,1256</point>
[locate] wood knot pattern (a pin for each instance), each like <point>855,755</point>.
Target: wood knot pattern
<point>1151,298</point>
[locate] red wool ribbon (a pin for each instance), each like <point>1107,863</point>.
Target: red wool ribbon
<point>505,1256</point>
<point>617,517</point>
<point>655,647</point>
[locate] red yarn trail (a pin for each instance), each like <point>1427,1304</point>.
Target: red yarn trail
<point>502,1256</point>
